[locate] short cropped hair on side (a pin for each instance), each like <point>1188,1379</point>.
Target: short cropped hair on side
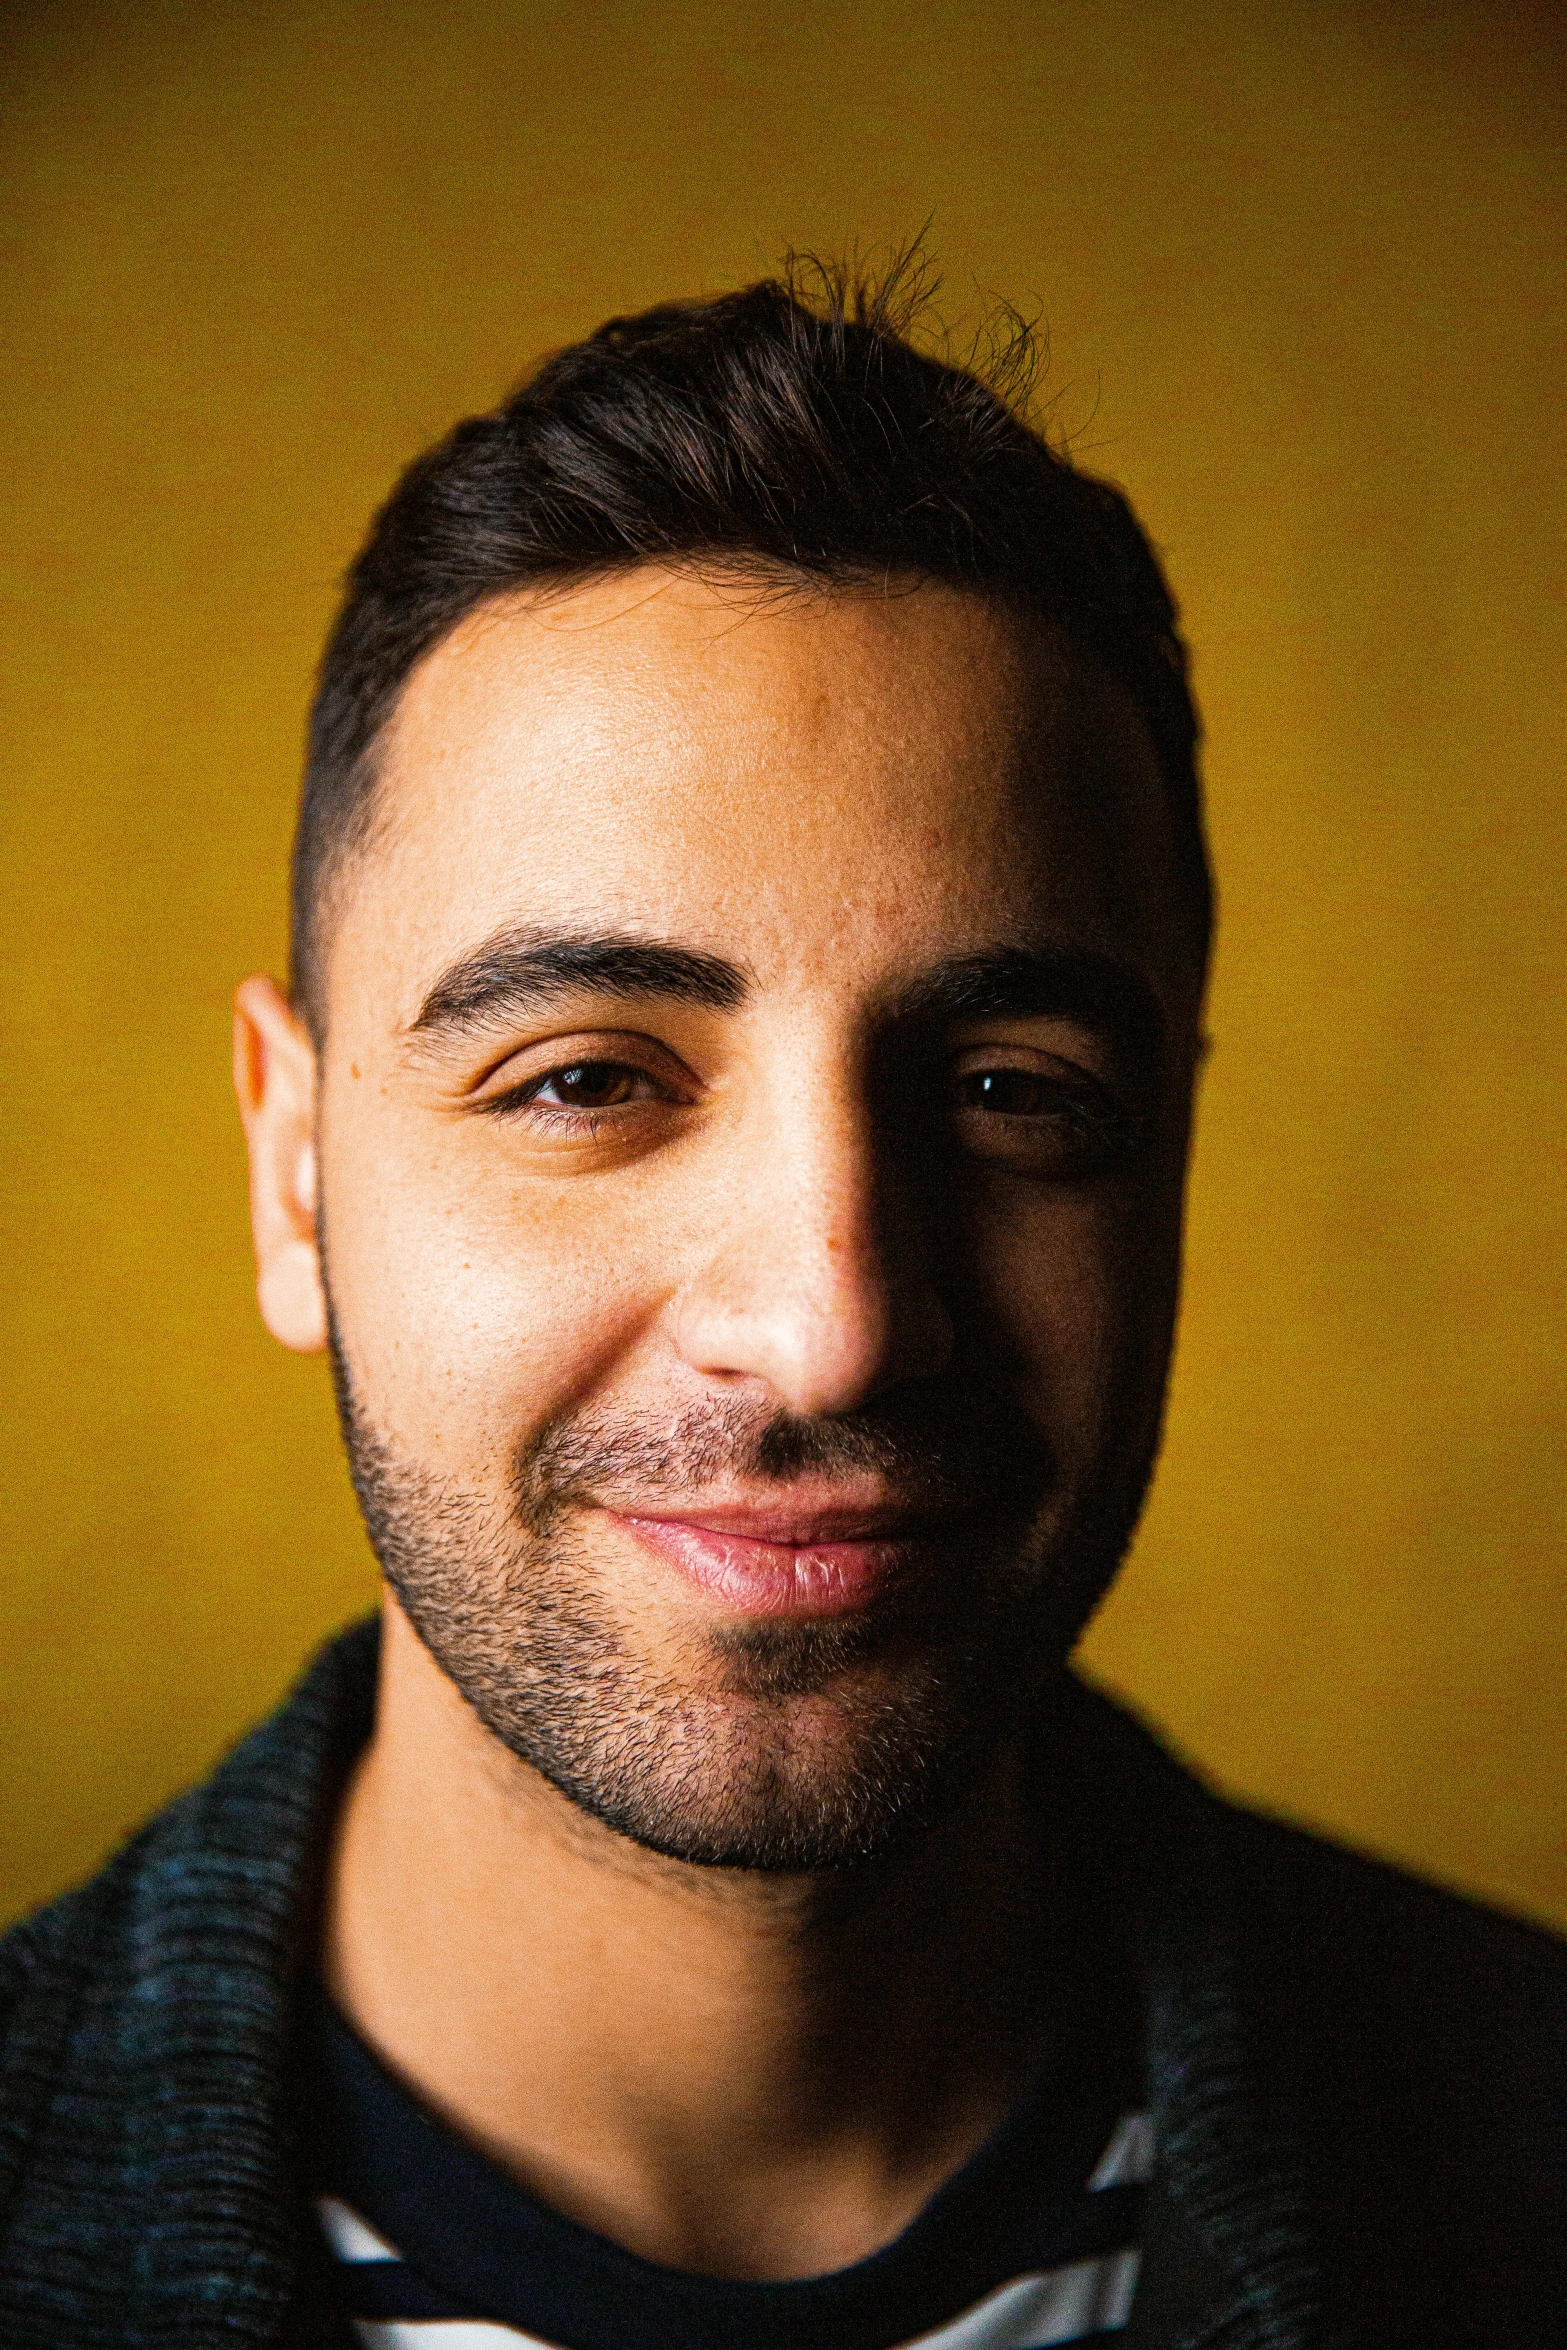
<point>792,432</point>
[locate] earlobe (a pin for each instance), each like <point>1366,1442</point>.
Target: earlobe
<point>275,1083</point>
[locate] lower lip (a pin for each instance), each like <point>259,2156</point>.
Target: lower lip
<point>773,1578</point>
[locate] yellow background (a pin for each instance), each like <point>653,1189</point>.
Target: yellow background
<point>1301,268</point>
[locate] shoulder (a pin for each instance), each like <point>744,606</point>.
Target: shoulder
<point>1305,1877</point>
<point>1317,1907</point>
<point>1418,2039</point>
<point>144,2030</point>
<point>57,1971</point>
<point>1431,2007</point>
<point>1383,1948</point>
<point>50,1961</point>
<point>231,1847</point>
<point>1409,2043</point>
<point>1397,2049</point>
<point>1353,1962</point>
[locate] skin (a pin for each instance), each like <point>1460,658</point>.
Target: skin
<point>727,2070</point>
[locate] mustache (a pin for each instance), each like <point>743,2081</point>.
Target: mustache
<point>939,1453</point>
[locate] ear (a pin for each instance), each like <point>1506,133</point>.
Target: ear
<point>275,1079</point>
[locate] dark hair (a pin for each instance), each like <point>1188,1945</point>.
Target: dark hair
<point>790,430</point>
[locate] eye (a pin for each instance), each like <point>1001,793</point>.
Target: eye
<point>1041,1121</point>
<point>1009,1093</point>
<point>575,1094</point>
<point>589,1085</point>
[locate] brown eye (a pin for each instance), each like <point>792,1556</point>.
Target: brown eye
<point>1040,1121</point>
<point>589,1085</point>
<point>1009,1093</point>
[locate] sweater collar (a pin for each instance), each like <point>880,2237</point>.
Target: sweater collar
<point>220,1904</point>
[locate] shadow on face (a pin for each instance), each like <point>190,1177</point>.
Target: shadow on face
<point>754,1102</point>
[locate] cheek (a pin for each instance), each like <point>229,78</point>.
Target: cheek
<point>471,1314</point>
<point>1070,1284</point>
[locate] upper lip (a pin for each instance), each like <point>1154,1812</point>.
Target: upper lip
<point>796,1523</point>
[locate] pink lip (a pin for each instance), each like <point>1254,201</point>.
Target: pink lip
<point>781,1563</point>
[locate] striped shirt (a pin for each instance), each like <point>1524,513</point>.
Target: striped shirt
<point>1031,2244</point>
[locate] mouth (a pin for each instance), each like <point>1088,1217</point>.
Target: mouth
<point>789,1558</point>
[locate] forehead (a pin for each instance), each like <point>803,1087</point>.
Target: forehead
<point>800,780</point>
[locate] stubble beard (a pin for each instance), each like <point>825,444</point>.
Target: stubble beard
<point>777,1747</point>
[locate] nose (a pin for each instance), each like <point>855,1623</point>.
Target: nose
<point>818,1281</point>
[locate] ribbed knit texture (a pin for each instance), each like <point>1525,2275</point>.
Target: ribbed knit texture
<point>147,2194</point>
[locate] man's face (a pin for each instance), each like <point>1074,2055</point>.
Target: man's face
<point>752,1121</point>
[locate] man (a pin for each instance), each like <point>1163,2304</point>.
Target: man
<point>729,1130</point>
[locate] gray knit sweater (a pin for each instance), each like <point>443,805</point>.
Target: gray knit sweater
<point>1359,2084</point>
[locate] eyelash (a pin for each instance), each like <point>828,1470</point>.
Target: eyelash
<point>1088,1129</point>
<point>525,1097</point>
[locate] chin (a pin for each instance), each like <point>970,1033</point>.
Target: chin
<point>766,1777</point>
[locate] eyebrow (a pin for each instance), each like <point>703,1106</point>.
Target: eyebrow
<point>1096,991</point>
<point>522,971</point>
<point>525,971</point>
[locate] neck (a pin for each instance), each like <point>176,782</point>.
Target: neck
<point>725,2071</point>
